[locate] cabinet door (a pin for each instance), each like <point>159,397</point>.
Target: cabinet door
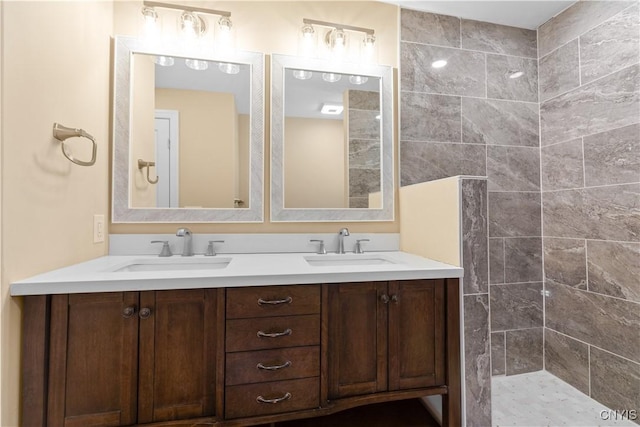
<point>177,377</point>
<point>416,334</point>
<point>93,359</point>
<point>357,342</point>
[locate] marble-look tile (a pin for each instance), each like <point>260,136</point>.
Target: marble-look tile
<point>513,168</point>
<point>477,358</point>
<point>516,306</point>
<point>559,71</point>
<point>574,21</point>
<point>359,202</point>
<point>601,213</point>
<point>463,75</point>
<point>429,117</point>
<point>615,381</point>
<point>609,323</point>
<point>524,351</point>
<point>364,154</point>
<point>494,38</point>
<point>614,269</point>
<point>475,236</point>
<point>363,124</point>
<point>429,28</point>
<point>562,166</point>
<point>611,46</point>
<point>567,359</point>
<point>363,181</point>
<point>423,161</point>
<point>514,214</point>
<point>497,354</point>
<point>364,100</point>
<point>565,262</point>
<point>608,103</point>
<point>500,122</point>
<point>523,259</point>
<point>613,157</point>
<point>496,261</point>
<point>500,85</point>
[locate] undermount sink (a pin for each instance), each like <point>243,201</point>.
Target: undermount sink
<point>173,264</point>
<point>347,259</point>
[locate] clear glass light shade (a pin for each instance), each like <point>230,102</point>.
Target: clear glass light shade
<point>307,41</point>
<point>331,77</point>
<point>196,64</point>
<point>224,39</point>
<point>302,74</point>
<point>164,61</point>
<point>192,25</point>
<point>151,24</point>
<point>358,80</point>
<point>229,68</point>
<point>337,42</point>
<point>369,48</point>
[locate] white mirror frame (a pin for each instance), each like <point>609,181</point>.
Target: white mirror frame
<point>124,48</point>
<point>281,214</point>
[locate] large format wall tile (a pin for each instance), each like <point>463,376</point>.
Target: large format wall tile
<point>613,157</point>
<point>610,46</point>
<point>609,323</point>
<point>608,103</point>
<point>364,100</point>
<point>423,161</point>
<point>501,86</point>
<point>487,37</point>
<point>429,117</point>
<point>514,214</point>
<point>559,71</point>
<point>477,360</point>
<point>615,382</point>
<point>497,354</point>
<point>362,182</point>
<point>524,351</point>
<point>574,21</point>
<point>523,260</point>
<point>567,359</point>
<point>500,122</point>
<point>363,124</point>
<point>463,75</point>
<point>603,213</point>
<point>364,154</point>
<point>565,262</point>
<point>496,261</point>
<point>429,28</point>
<point>562,166</point>
<point>475,236</point>
<point>513,168</point>
<point>516,306</point>
<point>614,269</point>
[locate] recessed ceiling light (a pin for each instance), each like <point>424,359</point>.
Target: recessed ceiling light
<point>515,74</point>
<point>331,109</point>
<point>439,63</point>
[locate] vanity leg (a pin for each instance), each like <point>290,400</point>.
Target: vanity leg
<point>35,351</point>
<point>451,402</point>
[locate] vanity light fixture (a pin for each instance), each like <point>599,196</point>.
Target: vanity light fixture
<point>150,17</point>
<point>196,64</point>
<point>358,80</point>
<point>515,74</point>
<point>229,68</point>
<point>164,61</point>
<point>336,40</point>
<point>307,41</point>
<point>302,74</point>
<point>331,109</point>
<point>192,25</point>
<point>439,63</point>
<point>331,77</point>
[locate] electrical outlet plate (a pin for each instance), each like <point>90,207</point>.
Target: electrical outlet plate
<point>98,228</point>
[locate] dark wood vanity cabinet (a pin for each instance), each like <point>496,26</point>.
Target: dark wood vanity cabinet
<point>238,356</point>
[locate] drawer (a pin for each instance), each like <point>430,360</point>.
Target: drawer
<point>272,365</point>
<point>264,301</point>
<point>276,332</point>
<point>285,396</point>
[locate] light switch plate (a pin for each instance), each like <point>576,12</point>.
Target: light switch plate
<point>98,228</point>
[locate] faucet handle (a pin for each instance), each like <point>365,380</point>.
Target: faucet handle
<point>210,250</point>
<point>166,250</point>
<point>358,249</point>
<point>321,249</point>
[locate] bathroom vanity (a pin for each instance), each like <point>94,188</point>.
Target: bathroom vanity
<point>266,338</point>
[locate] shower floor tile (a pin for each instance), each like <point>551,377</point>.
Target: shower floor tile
<point>540,399</point>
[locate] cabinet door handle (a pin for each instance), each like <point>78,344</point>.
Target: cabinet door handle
<point>128,312</point>
<point>394,298</point>
<point>275,367</point>
<point>286,396</point>
<point>145,313</point>
<point>275,334</point>
<point>384,298</point>
<point>287,300</point>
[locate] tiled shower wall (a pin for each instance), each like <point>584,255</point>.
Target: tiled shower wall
<point>590,124</point>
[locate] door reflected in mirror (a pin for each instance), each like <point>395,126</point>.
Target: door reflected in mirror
<point>192,119</point>
<point>332,140</point>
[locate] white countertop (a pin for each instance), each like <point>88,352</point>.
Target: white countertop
<point>98,275</point>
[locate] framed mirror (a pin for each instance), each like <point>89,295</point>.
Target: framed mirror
<point>331,141</point>
<point>188,134</point>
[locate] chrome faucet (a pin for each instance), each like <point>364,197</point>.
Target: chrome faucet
<point>188,246</point>
<point>341,234</point>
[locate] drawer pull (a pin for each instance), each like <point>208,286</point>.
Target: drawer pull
<point>287,300</point>
<point>261,399</point>
<point>274,368</point>
<point>275,334</point>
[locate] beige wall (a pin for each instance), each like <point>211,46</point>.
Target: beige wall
<point>55,69</point>
<point>244,158</point>
<point>314,172</point>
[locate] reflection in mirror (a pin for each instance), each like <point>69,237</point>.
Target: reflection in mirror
<point>331,140</point>
<point>332,148</point>
<point>194,125</point>
<point>193,122</point>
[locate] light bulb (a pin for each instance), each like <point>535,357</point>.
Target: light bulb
<point>229,68</point>
<point>331,77</point>
<point>196,64</point>
<point>302,74</point>
<point>358,80</point>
